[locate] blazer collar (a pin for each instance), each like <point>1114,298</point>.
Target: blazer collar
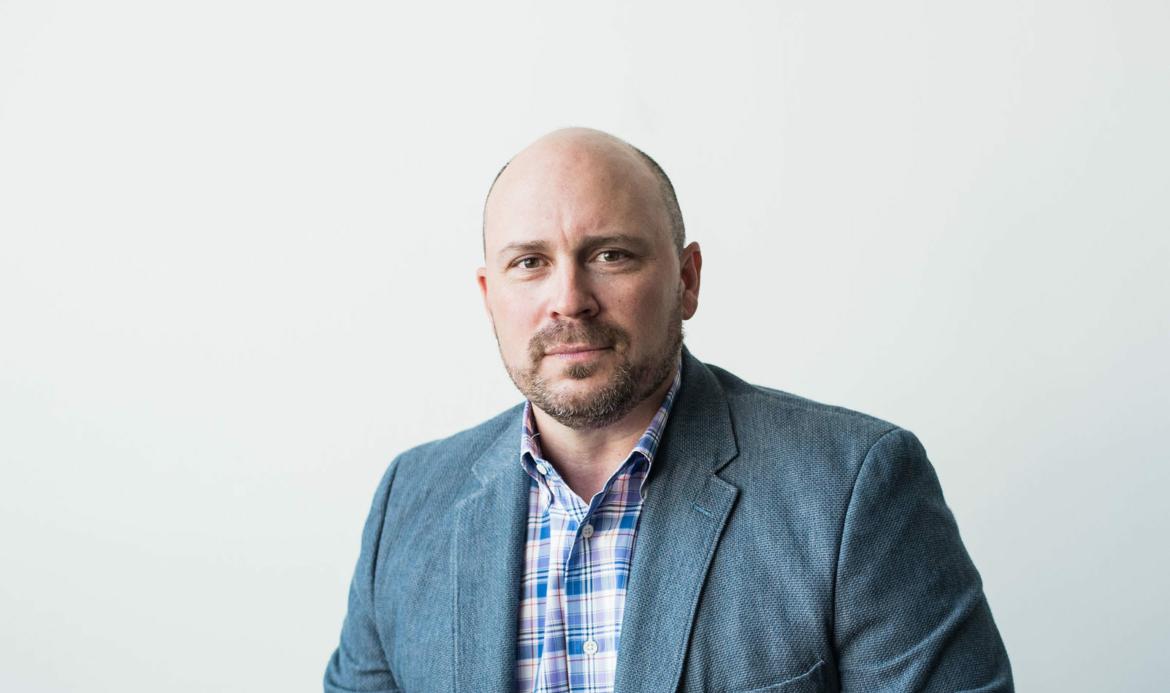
<point>682,518</point>
<point>488,561</point>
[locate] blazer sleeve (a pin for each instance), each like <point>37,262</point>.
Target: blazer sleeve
<point>359,662</point>
<point>909,609</point>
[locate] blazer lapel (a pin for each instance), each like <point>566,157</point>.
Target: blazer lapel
<point>488,562</point>
<point>683,517</point>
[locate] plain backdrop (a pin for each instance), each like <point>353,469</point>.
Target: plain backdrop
<point>237,254</point>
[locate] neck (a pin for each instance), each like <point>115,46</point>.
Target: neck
<point>587,458</point>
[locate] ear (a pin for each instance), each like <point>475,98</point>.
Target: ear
<point>481,279</point>
<point>690,270</point>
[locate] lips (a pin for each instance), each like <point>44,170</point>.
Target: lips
<point>571,349</point>
<point>570,342</point>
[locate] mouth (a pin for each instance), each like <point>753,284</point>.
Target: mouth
<point>576,351</point>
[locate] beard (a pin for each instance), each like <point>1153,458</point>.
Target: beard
<point>630,384</point>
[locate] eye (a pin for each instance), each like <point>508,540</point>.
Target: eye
<point>527,262</point>
<point>611,256</point>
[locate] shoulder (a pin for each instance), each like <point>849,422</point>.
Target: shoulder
<point>455,453</point>
<point>799,439</point>
<point>762,409</point>
<point>437,473</point>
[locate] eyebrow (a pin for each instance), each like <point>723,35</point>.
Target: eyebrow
<point>590,243</point>
<point>522,247</point>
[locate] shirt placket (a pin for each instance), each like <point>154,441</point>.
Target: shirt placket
<point>583,647</point>
<point>575,606</point>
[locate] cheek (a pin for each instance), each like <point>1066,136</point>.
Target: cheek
<point>643,310</point>
<point>514,320</point>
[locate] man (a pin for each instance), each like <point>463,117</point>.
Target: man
<point>645,522</point>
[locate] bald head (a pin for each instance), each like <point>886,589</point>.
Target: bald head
<point>572,152</point>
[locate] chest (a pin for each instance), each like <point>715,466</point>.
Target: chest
<point>450,605</point>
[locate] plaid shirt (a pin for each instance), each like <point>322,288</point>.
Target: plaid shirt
<point>571,615</point>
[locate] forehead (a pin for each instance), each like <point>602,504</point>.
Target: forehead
<point>565,192</point>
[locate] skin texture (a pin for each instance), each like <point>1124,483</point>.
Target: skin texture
<point>579,258</point>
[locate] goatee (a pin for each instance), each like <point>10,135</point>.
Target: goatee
<point>630,383</point>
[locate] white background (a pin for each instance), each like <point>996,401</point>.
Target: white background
<point>237,254</point>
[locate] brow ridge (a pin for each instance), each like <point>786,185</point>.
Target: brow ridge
<point>589,242</point>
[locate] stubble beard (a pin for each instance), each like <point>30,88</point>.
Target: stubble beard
<point>630,384</point>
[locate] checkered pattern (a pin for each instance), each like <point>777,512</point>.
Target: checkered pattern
<point>576,566</point>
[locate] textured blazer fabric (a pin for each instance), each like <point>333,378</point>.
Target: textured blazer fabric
<point>784,545</point>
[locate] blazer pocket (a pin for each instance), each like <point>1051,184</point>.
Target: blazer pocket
<point>811,681</point>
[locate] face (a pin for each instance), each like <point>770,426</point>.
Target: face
<point>582,282</point>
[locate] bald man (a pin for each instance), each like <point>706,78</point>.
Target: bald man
<point>644,521</point>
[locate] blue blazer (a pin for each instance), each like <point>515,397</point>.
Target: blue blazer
<point>784,546</point>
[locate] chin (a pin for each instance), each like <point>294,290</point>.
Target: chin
<point>581,372</point>
<point>576,388</point>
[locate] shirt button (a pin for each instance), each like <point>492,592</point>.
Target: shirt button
<point>587,531</point>
<point>590,645</point>
<point>541,467</point>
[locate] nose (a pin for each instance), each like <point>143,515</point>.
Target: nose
<point>573,295</point>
